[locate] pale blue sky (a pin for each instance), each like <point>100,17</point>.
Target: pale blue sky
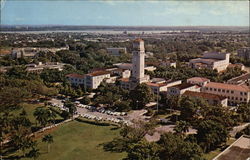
<point>129,13</point>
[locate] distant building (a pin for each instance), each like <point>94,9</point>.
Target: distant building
<point>37,68</point>
<point>168,64</point>
<point>117,51</point>
<point>198,81</point>
<point>212,99</point>
<point>244,53</point>
<point>180,89</point>
<point>235,93</point>
<point>240,80</point>
<point>211,60</point>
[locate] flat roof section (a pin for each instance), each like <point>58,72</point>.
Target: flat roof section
<point>239,150</point>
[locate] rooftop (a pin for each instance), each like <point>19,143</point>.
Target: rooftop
<point>239,150</point>
<point>243,77</point>
<point>124,79</point>
<point>138,40</point>
<point>226,86</point>
<point>204,95</point>
<point>98,73</point>
<point>75,75</point>
<point>184,86</point>
<point>198,79</point>
<point>156,84</point>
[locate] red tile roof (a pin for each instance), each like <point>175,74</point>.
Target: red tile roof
<point>156,84</point>
<point>204,95</point>
<point>183,86</point>
<point>75,75</point>
<point>226,86</point>
<point>98,73</point>
<point>124,79</point>
<point>138,40</point>
<point>198,79</point>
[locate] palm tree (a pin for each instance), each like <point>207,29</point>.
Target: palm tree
<point>48,139</point>
<point>72,108</point>
<point>34,153</point>
<point>41,115</point>
<point>52,115</point>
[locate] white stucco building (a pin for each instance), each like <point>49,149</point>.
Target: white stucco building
<point>211,60</point>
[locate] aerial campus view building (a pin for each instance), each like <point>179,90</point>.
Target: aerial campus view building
<point>134,80</point>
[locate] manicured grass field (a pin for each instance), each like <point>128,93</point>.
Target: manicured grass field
<point>29,108</point>
<point>80,141</point>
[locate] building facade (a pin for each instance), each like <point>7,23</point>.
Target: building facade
<point>235,93</point>
<point>211,60</point>
<point>212,99</point>
<point>180,89</point>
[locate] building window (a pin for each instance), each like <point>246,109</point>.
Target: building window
<point>241,93</point>
<point>240,99</point>
<point>245,93</point>
<point>211,89</point>
<point>223,90</point>
<point>219,90</point>
<point>227,91</point>
<point>236,98</point>
<point>215,89</point>
<point>232,92</point>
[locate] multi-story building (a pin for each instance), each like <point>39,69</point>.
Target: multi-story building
<point>158,87</point>
<point>212,99</point>
<point>76,79</point>
<point>116,51</point>
<point>201,81</point>
<point>234,93</point>
<point>94,79</point>
<point>212,60</point>
<point>180,89</point>
<point>244,52</point>
<point>91,80</point>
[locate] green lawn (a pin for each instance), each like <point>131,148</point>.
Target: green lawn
<point>78,140</point>
<point>30,108</point>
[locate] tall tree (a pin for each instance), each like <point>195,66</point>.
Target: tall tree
<point>140,96</point>
<point>211,134</point>
<point>71,106</point>
<point>42,115</point>
<point>49,140</point>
